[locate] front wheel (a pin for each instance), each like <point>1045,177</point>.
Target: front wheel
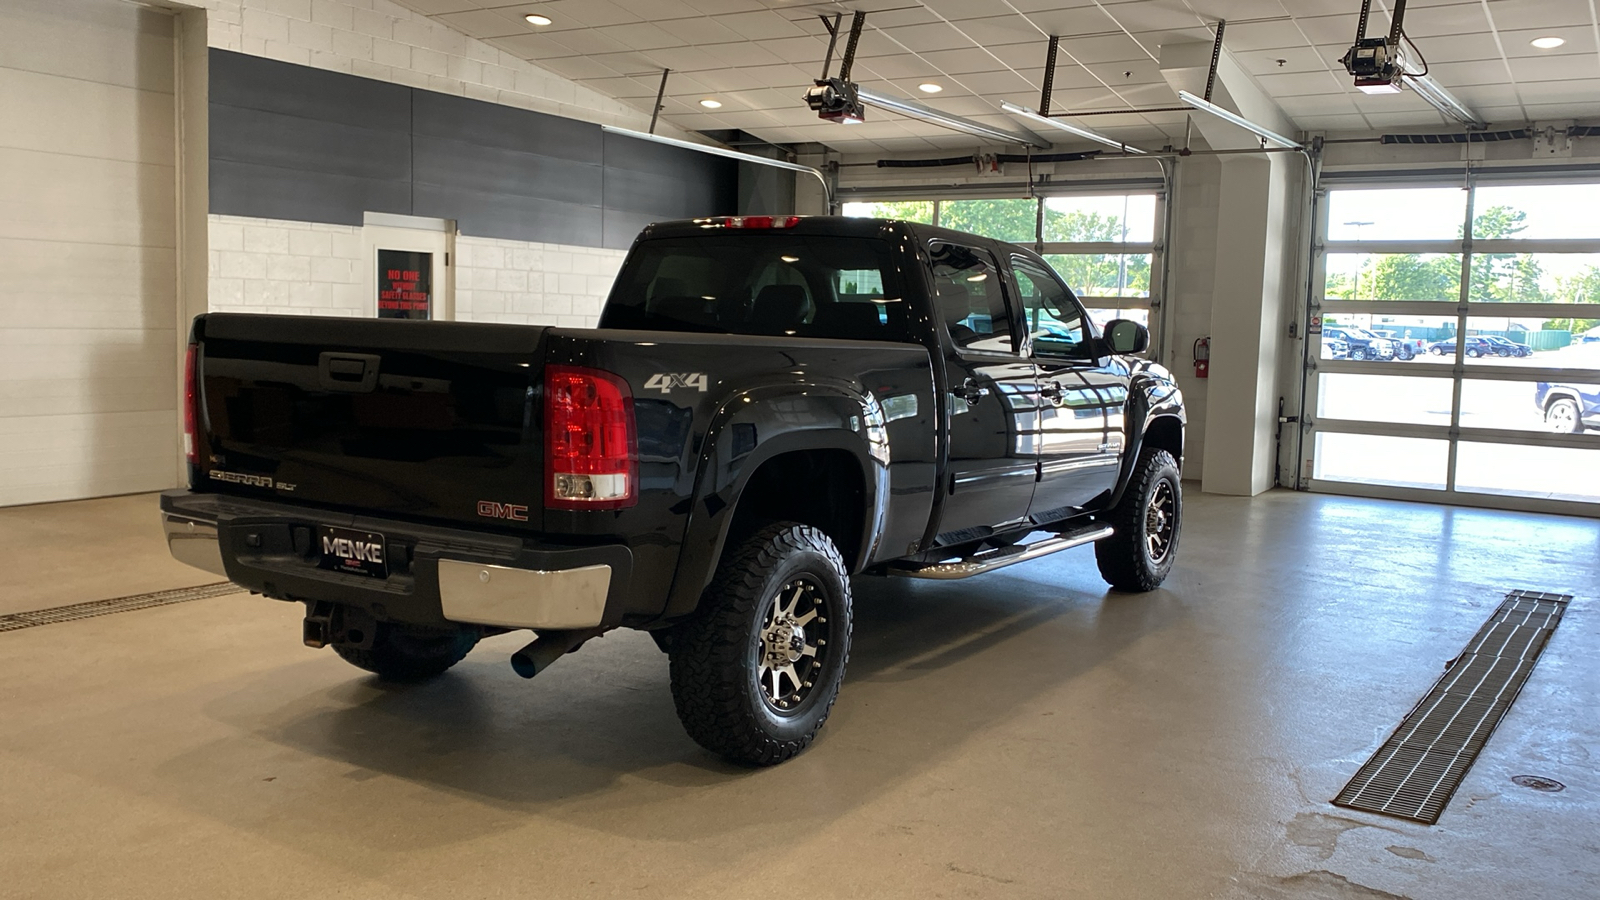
<point>1562,417</point>
<point>1358,353</point>
<point>1148,521</point>
<point>756,670</point>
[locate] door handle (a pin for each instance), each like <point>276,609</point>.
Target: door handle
<point>1051,392</point>
<point>970,391</point>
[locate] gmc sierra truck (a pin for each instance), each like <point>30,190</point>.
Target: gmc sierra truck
<point>769,406</point>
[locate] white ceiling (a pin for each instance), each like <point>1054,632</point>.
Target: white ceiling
<point>758,56</point>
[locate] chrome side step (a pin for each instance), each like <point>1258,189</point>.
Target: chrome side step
<point>990,560</point>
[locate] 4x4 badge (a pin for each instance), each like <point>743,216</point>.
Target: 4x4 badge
<point>666,381</point>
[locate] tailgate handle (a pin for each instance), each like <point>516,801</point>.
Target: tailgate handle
<point>350,372</point>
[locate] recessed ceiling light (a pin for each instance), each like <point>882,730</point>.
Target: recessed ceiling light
<point>536,19</point>
<point>1548,43</point>
<point>929,87</point>
<point>708,103</point>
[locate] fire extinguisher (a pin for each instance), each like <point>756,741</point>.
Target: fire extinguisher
<point>1202,357</point>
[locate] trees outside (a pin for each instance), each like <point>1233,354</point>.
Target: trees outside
<point>1016,220</point>
<point>1496,277</point>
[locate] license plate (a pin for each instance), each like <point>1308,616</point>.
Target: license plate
<point>348,550</point>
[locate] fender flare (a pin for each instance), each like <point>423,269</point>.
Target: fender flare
<point>1141,413</point>
<point>715,500</point>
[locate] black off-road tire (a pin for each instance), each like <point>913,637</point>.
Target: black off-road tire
<point>1126,559</point>
<point>718,654</point>
<point>399,653</point>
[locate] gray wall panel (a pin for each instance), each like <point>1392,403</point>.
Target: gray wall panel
<point>492,125</point>
<point>238,79</point>
<point>309,145</point>
<point>511,217</point>
<point>293,142</point>
<point>457,164</point>
<point>247,189</point>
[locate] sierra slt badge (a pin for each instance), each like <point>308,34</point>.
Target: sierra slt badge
<point>512,511</point>
<point>265,481</point>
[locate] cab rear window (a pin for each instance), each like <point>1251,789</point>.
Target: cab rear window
<point>777,284</point>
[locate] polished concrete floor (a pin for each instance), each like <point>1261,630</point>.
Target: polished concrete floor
<point>1023,734</point>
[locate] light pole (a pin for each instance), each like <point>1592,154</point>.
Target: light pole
<point>1356,288</point>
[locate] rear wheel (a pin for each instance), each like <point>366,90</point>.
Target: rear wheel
<point>405,653</point>
<point>1473,352</point>
<point>1562,417</point>
<point>1148,521</point>
<point>1404,353</point>
<point>756,670</point>
<point>1436,351</point>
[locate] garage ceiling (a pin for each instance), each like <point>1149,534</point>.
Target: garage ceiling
<point>758,56</point>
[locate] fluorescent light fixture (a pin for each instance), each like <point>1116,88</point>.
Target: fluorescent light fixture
<point>1266,134</point>
<point>709,103</point>
<point>723,151</point>
<point>536,19</point>
<point>1442,100</point>
<point>938,117</point>
<point>1047,122</point>
<point>928,87</point>
<point>1548,43</point>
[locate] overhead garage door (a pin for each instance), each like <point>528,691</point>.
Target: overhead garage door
<point>87,250</point>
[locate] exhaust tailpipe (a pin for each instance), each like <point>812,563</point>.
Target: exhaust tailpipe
<point>548,647</point>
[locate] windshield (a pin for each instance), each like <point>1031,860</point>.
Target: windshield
<point>771,283</point>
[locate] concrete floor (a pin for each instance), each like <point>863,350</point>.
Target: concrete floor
<point>1023,734</point>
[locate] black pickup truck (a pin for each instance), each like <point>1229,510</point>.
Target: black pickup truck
<point>770,406</point>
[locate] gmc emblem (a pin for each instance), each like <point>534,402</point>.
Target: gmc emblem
<point>492,510</point>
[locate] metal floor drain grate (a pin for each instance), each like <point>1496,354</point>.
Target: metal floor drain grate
<point>94,608</point>
<point>1415,772</point>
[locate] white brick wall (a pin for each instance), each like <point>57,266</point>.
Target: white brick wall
<point>384,41</point>
<point>311,269</point>
<point>532,284</point>
<point>289,268</point>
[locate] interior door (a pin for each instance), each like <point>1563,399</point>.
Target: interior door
<point>408,271</point>
<point>1077,453</point>
<point>993,401</point>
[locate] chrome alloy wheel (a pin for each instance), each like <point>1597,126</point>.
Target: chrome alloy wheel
<point>792,644</point>
<point>1161,521</point>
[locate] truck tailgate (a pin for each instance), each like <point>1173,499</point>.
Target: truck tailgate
<point>433,420</point>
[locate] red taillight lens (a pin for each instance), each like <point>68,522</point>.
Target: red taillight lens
<point>591,440</point>
<point>757,221</point>
<point>191,398</point>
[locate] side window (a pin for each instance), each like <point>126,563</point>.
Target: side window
<point>1054,322</point>
<point>970,298</point>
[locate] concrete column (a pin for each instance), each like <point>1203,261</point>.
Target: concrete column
<point>1256,243</point>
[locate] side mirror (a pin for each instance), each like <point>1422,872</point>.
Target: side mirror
<point>1126,336</point>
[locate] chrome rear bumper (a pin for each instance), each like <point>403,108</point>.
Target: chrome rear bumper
<point>194,543</point>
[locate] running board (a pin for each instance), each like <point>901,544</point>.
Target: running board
<point>990,560</point>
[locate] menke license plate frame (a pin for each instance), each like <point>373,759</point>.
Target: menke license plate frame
<point>353,552</point>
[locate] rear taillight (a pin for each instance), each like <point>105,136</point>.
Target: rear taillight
<point>191,396</point>
<point>591,440</point>
<point>750,222</point>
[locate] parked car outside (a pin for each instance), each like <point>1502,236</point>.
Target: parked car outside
<point>1476,347</point>
<point>1568,408</point>
<point>1333,348</point>
<point>1363,344</point>
<point>1507,347</point>
<point>1592,336</point>
<point>1405,346</point>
